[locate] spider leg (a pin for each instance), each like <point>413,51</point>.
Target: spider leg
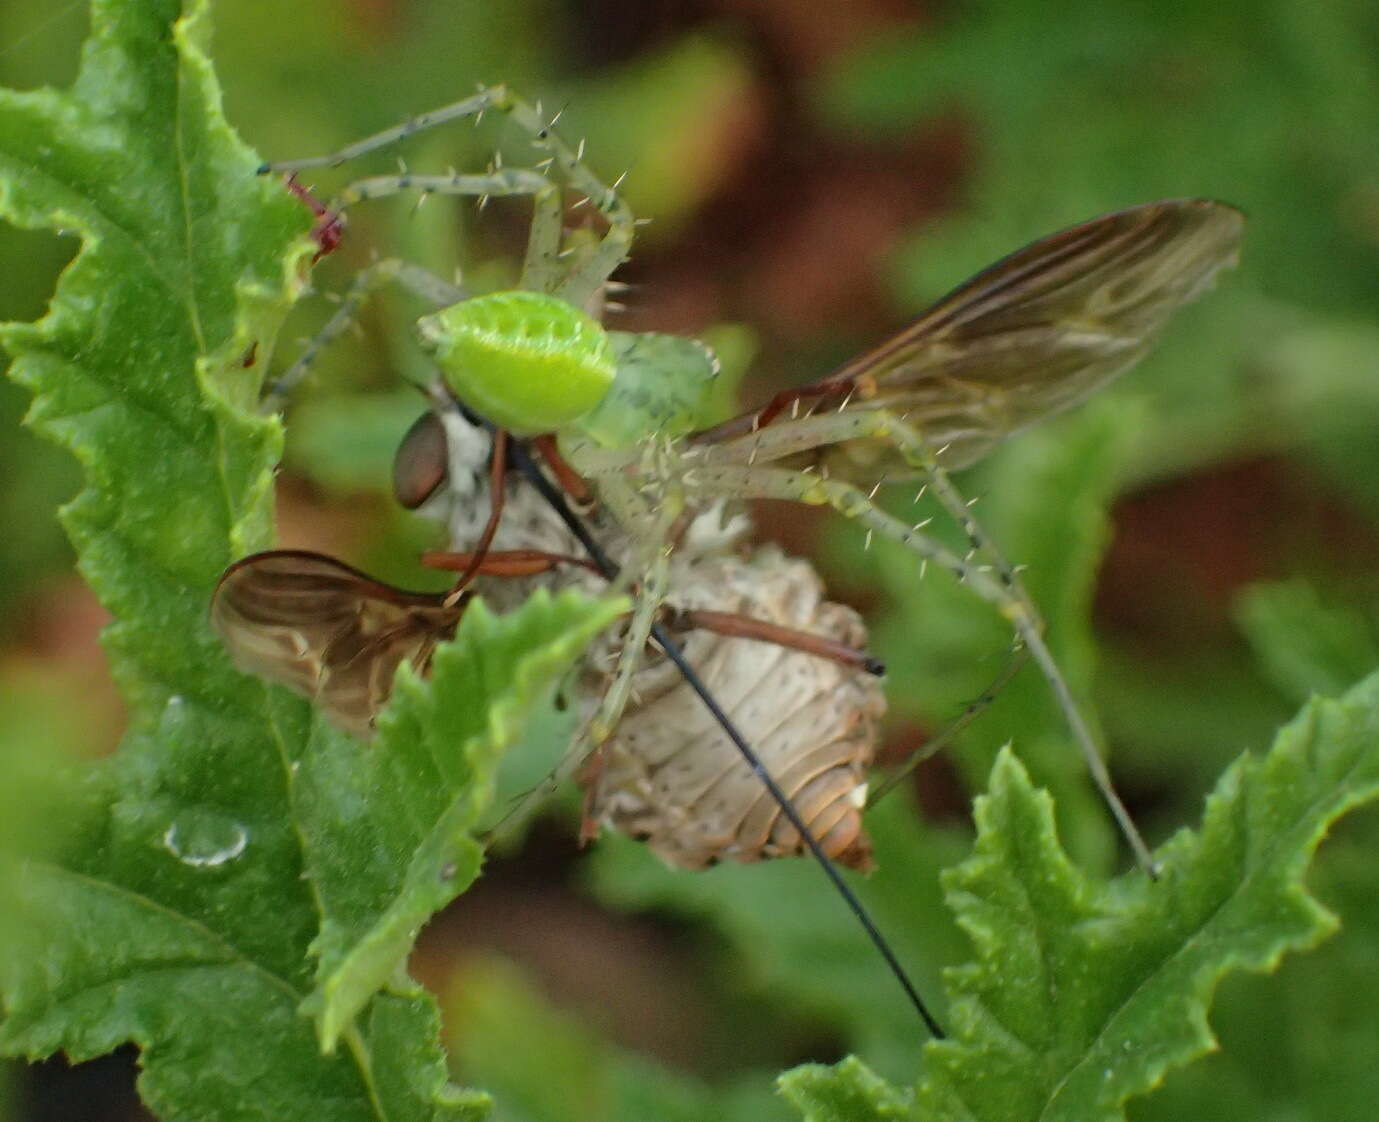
<point>365,284</point>
<point>587,749</point>
<point>585,280</point>
<point>468,107</point>
<point>649,596</point>
<point>790,437</point>
<point>541,270</point>
<point>709,481</point>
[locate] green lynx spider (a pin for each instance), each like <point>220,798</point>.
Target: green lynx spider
<point>1033,335</point>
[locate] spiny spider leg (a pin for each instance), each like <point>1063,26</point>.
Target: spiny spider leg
<point>590,738</point>
<point>709,481</point>
<point>588,275</point>
<point>366,282</point>
<point>650,595</point>
<point>468,107</point>
<point>541,271</point>
<point>823,430</point>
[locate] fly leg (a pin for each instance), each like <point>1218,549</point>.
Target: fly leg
<point>504,562</point>
<point>950,732</point>
<point>733,625</point>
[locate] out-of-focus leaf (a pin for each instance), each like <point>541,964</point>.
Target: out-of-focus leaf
<point>338,71</point>
<point>1306,646</point>
<point>173,912</point>
<point>800,945</point>
<point>1123,106</point>
<point>1326,378</point>
<point>670,121</point>
<point>1178,721</point>
<point>346,441</point>
<point>544,1066</point>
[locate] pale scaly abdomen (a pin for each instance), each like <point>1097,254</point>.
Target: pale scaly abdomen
<point>670,777</point>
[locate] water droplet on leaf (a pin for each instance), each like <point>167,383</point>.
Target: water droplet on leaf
<point>204,839</point>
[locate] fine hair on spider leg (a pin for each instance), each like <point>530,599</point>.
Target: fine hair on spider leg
<point>542,266</point>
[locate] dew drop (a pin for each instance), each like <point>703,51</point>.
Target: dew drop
<point>204,839</point>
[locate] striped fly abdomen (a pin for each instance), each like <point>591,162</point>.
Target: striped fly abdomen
<point>670,777</point>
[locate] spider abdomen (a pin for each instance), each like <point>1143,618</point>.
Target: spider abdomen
<point>529,362</point>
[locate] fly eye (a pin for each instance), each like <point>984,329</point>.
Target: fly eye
<point>420,465</point>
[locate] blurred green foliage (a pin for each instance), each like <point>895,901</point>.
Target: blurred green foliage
<point>1063,115</point>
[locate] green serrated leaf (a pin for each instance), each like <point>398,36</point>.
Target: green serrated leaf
<point>544,1066</point>
<point>389,827</point>
<point>1082,996</point>
<point>848,1092</point>
<point>172,912</point>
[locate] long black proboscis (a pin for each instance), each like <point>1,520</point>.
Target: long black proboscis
<point>520,459</point>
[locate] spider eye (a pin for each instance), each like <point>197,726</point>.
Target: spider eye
<point>420,464</point>
<point>529,362</point>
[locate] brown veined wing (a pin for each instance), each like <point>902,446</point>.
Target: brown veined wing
<point>326,631</point>
<point>1037,332</point>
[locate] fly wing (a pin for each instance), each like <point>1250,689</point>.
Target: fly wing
<point>325,630</point>
<point>1040,330</point>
